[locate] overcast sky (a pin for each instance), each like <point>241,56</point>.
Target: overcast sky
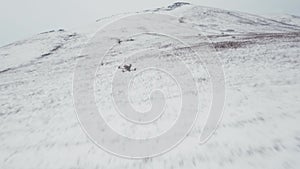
<point>20,19</point>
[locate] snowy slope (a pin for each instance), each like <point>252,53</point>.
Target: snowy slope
<point>259,129</point>
<point>286,18</point>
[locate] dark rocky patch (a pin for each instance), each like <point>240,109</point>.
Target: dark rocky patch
<point>5,70</point>
<point>230,44</point>
<point>48,32</point>
<point>177,4</point>
<point>181,20</point>
<point>44,55</point>
<point>272,35</point>
<point>126,40</point>
<point>56,48</point>
<point>51,51</point>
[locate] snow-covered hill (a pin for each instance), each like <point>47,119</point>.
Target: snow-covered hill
<point>285,18</point>
<point>260,127</point>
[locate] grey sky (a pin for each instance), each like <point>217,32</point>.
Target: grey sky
<point>23,18</point>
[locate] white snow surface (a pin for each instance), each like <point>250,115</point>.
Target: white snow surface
<point>260,127</point>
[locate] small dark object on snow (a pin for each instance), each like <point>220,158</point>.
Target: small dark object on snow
<point>126,68</point>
